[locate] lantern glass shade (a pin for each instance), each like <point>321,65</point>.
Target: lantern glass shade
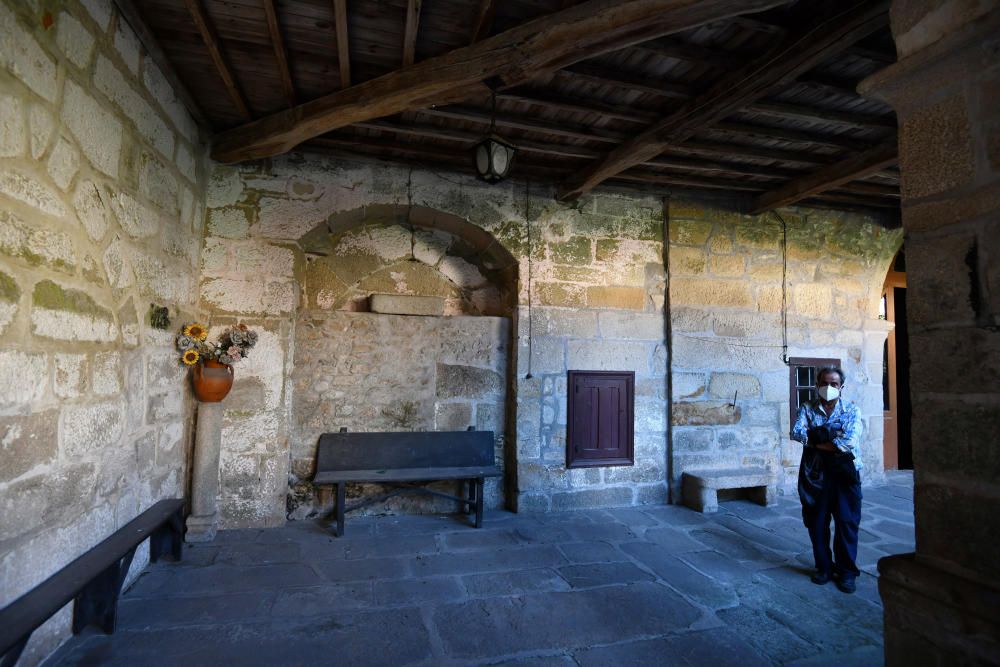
<point>493,159</point>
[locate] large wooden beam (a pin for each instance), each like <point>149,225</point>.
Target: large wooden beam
<point>343,52</point>
<point>280,54</point>
<point>853,168</point>
<point>792,58</point>
<point>546,43</point>
<point>155,51</point>
<point>484,20</point>
<point>208,35</point>
<point>410,32</point>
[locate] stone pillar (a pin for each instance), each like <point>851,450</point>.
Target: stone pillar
<point>941,602</point>
<point>203,521</point>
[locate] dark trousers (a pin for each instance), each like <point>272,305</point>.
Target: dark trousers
<point>830,487</point>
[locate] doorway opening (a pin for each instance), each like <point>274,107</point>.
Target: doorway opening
<point>897,408</point>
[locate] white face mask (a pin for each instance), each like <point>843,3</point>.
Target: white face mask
<point>828,393</point>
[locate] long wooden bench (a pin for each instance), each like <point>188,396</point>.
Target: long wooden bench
<point>700,488</point>
<point>402,461</point>
<point>93,581</point>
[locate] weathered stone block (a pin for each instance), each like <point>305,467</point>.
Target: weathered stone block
<point>41,500</point>
<point>936,148</point>
<point>953,361</point>
<point>578,250</point>
<point>67,314</point>
<point>728,266</point>
<point>611,497</point>
<point>725,293</point>
<point>704,413</point>
<point>632,325</point>
<point>13,135</point>
<point>687,385</point>
<point>561,322</point>
<point>31,191</point>
<point>630,298</point>
<point>70,379</point>
<point>643,472</point>
<point>405,304</point>
<point>107,373</point>
<point>88,429</point>
<point>110,81</point>
<point>452,416</point>
<point>250,297</point>
<point>687,261</point>
<point>728,385</point>
<point>23,378</point>
<point>608,356</point>
<point>812,300</point>
<point>689,232</point>
<point>98,132</point>
<point>650,416</point>
<point>26,442</point>
<point>560,294</point>
<point>692,440</point>
<point>467,382</point>
<point>35,245</point>
<point>22,55</point>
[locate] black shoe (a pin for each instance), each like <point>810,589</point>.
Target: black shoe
<point>821,578</point>
<point>846,584</point>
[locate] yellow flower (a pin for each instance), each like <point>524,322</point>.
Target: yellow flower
<point>196,331</point>
<point>190,357</point>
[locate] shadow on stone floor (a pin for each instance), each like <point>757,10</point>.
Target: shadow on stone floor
<point>648,585</point>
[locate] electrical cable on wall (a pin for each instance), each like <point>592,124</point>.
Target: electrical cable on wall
<point>527,222</point>
<point>784,287</point>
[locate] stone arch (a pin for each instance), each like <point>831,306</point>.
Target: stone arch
<point>380,249</point>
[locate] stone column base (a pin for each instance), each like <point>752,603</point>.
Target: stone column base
<point>201,528</point>
<point>934,617</point>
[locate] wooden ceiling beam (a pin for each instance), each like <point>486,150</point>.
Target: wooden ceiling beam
<point>561,129</point>
<point>212,42</point>
<point>155,51</point>
<point>855,167</point>
<point>483,24</point>
<point>561,103</point>
<point>549,42</point>
<point>280,53</point>
<point>646,176</point>
<point>410,32</point>
<point>343,45</point>
<point>791,59</point>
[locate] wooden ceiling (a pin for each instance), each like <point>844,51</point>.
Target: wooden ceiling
<point>648,95</point>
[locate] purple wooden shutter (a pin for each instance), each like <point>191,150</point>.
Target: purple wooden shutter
<point>600,418</point>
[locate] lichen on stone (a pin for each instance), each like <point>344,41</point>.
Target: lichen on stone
<point>9,291</point>
<point>48,294</point>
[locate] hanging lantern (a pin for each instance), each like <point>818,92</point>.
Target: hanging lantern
<point>493,155</point>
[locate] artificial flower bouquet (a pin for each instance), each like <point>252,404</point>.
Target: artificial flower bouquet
<point>233,345</point>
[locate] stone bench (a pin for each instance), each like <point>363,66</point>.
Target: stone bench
<point>700,488</point>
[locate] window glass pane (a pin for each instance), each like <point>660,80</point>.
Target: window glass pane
<point>804,376</point>
<point>804,395</point>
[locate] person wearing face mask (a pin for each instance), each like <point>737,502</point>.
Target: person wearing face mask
<point>829,429</point>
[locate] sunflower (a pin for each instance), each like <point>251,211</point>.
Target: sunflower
<point>196,331</point>
<point>190,357</point>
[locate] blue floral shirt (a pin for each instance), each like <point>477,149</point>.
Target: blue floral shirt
<point>845,422</point>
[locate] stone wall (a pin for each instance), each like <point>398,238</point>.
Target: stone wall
<point>101,195</point>
<point>376,372</point>
<point>730,384</point>
<point>944,90</point>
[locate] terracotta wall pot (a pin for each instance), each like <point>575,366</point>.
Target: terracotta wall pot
<point>211,380</point>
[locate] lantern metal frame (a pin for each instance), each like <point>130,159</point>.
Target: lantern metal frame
<point>492,147</point>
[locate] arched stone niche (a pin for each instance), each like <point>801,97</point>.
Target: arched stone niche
<point>385,371</point>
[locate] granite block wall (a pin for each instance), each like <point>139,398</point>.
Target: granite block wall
<point>102,180</point>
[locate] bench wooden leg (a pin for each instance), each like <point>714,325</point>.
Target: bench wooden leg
<point>97,603</point>
<point>168,538</point>
<point>471,495</point>
<point>341,502</point>
<point>14,652</point>
<point>479,502</point>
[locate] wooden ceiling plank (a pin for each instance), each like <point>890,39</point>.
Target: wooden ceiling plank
<point>410,33</point>
<point>790,135</point>
<point>550,42</point>
<point>605,77</point>
<point>791,59</point>
<point>750,152</point>
<point>687,51</point>
<point>561,103</point>
<point>484,20</point>
<point>343,52</point>
<point>152,45</point>
<point>828,178</point>
<point>785,110</point>
<point>280,53</point>
<point>211,39</point>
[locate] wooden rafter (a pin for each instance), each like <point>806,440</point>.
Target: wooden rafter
<point>546,43</point>
<point>208,35</point>
<point>410,32</point>
<point>484,20</point>
<point>155,51</point>
<point>343,52</point>
<point>604,77</point>
<point>790,135</point>
<point>795,111</point>
<point>791,59</point>
<point>853,168</point>
<point>280,54</point>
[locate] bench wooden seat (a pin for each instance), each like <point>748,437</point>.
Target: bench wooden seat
<point>401,460</point>
<point>700,488</point>
<point>94,580</point>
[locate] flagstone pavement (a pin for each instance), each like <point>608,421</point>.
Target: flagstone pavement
<point>654,585</point>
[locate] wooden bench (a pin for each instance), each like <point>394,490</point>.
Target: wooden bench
<point>700,488</point>
<point>93,581</point>
<point>403,460</point>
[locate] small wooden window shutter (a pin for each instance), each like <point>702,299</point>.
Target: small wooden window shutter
<point>600,419</point>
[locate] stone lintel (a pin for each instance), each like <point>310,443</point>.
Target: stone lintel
<point>404,304</point>
<point>919,596</point>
